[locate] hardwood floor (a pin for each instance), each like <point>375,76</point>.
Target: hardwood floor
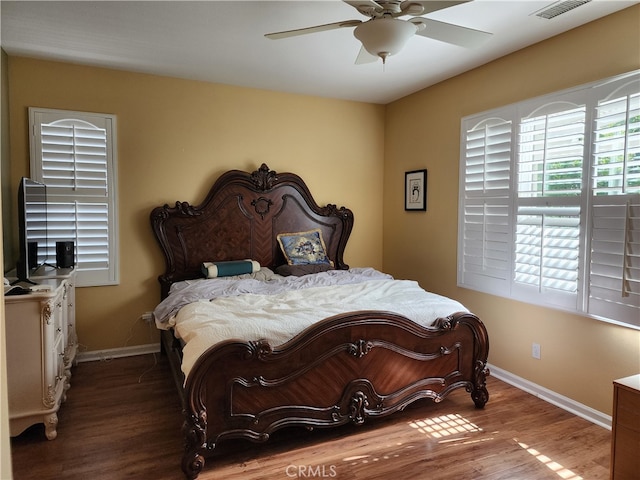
<point>122,419</point>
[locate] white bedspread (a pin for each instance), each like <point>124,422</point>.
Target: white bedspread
<point>277,308</point>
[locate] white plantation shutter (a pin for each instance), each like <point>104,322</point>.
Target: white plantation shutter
<point>616,158</point>
<point>570,208</point>
<point>615,240</point>
<point>550,152</point>
<point>547,253</point>
<point>74,157</point>
<point>615,258</point>
<point>87,224</point>
<point>73,154</point>
<point>486,237</point>
<point>549,185</point>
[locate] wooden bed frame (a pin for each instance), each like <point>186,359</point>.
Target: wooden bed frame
<point>343,369</point>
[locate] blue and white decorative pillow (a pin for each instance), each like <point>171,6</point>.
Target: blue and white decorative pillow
<point>304,248</point>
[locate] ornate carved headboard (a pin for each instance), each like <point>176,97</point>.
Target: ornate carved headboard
<point>239,219</point>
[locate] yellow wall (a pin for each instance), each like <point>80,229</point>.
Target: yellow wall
<point>580,356</point>
<point>175,137</point>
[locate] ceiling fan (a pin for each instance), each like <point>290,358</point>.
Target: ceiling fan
<point>384,34</point>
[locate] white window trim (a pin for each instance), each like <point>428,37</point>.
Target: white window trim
<point>88,277</point>
<point>501,282</point>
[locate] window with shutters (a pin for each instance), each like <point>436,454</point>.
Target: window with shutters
<point>550,201</point>
<point>74,155</point>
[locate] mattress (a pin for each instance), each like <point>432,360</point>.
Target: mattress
<point>274,308</point>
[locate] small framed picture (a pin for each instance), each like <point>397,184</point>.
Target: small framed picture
<point>415,190</point>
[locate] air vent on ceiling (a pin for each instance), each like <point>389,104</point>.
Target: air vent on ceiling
<point>558,8</point>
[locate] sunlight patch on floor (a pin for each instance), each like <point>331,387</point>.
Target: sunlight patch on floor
<point>364,459</point>
<point>451,428</point>
<point>561,471</point>
<point>465,441</point>
<point>444,426</point>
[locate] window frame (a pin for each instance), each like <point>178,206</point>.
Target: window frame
<point>88,276</point>
<point>476,229</point>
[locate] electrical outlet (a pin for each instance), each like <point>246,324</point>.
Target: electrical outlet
<point>535,350</point>
<point>147,317</point>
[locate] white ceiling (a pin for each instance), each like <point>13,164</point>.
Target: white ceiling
<point>223,41</point>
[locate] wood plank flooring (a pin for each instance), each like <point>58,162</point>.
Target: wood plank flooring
<point>122,420</point>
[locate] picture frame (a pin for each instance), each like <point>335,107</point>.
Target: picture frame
<point>415,190</point>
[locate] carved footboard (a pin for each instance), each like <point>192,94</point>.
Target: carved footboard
<point>344,369</point>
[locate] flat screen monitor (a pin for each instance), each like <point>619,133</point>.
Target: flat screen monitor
<point>32,227</point>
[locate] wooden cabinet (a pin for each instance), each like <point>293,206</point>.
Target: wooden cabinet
<point>41,347</point>
<point>625,440</point>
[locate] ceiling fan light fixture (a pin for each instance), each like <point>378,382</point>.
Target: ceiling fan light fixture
<point>386,36</point>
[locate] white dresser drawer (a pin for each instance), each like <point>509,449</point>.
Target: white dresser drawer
<point>40,351</point>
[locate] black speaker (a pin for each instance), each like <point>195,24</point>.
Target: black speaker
<point>64,254</point>
<point>32,254</point>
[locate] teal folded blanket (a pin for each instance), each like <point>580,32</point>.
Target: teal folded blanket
<point>227,269</point>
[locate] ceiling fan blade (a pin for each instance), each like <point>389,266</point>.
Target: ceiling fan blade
<point>430,5</point>
<point>364,6</point>
<point>449,33</point>
<point>317,28</point>
<point>365,57</point>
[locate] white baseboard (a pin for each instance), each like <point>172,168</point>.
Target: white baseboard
<point>110,353</point>
<point>552,397</point>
